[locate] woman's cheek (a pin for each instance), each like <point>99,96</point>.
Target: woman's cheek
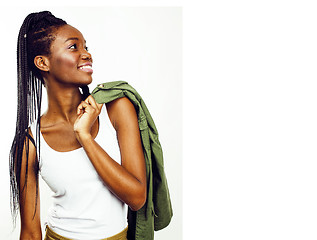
<point>67,60</point>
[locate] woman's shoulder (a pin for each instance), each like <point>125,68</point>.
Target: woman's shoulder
<point>120,111</point>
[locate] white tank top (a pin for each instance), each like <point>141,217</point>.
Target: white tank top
<point>83,207</point>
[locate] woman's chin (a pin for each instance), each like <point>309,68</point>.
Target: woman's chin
<point>87,81</point>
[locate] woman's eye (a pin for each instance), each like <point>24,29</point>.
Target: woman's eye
<point>73,46</point>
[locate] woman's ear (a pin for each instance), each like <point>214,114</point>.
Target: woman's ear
<point>42,63</point>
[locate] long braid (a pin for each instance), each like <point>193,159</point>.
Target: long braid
<point>35,38</point>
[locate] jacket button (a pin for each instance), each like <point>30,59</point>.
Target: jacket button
<point>100,85</point>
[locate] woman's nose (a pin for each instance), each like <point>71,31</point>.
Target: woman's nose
<point>86,55</point>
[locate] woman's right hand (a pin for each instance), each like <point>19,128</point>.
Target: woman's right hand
<point>87,112</point>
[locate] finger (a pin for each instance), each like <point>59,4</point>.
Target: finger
<point>81,107</point>
<point>99,105</point>
<point>91,101</point>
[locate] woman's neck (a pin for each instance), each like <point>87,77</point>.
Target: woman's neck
<point>62,103</point>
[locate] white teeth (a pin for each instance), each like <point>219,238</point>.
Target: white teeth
<point>86,66</point>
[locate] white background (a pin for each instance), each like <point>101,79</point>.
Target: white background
<point>249,118</point>
<point>141,45</point>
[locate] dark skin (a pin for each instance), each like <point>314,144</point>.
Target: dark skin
<point>71,123</point>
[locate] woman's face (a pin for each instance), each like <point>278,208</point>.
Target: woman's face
<point>69,61</point>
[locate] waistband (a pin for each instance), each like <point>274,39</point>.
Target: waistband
<point>51,235</point>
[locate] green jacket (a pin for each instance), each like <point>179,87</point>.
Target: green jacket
<point>157,212</point>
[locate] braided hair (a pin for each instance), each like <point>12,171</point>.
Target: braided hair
<point>35,38</point>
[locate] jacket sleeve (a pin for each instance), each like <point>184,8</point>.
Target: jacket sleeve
<point>157,212</point>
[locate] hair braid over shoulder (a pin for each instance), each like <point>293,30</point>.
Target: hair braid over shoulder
<point>35,38</point>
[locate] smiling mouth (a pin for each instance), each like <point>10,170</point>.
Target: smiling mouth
<point>86,68</point>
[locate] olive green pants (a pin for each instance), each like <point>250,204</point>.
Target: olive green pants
<point>50,235</point>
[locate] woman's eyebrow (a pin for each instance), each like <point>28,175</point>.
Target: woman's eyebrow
<point>73,38</point>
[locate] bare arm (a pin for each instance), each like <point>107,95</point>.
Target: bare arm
<point>30,223</point>
<point>128,180</point>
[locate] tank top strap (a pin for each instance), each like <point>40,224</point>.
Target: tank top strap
<point>33,130</point>
<point>105,122</point>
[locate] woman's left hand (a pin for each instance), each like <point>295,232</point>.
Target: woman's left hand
<point>87,112</point>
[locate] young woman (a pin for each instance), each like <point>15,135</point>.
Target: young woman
<point>89,154</point>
